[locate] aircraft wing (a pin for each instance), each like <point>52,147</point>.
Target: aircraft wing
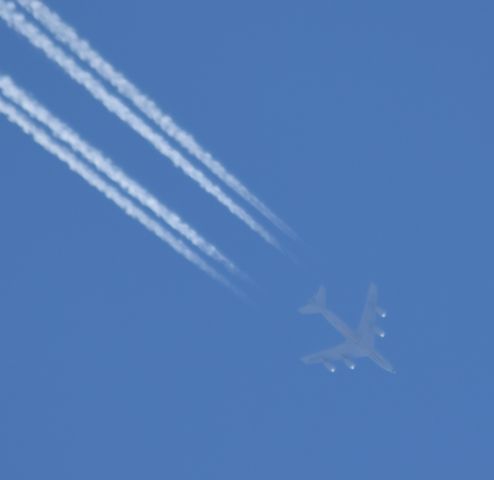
<point>344,352</point>
<point>367,327</point>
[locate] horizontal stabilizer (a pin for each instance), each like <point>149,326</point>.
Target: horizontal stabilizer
<point>317,303</point>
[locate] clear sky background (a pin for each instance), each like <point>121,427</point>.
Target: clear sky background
<point>367,126</point>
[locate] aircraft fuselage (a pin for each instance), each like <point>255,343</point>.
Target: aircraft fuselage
<point>360,348</point>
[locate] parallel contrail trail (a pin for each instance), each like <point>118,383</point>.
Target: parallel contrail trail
<point>67,35</point>
<point>18,22</point>
<point>96,181</point>
<point>106,166</point>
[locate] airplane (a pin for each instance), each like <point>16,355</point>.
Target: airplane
<point>358,343</point>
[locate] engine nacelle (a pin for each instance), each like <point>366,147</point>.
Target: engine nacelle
<point>351,365</point>
<point>379,331</point>
<point>381,312</point>
<point>330,367</point>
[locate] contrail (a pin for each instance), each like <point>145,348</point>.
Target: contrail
<point>18,22</point>
<point>106,166</point>
<point>96,181</point>
<point>68,35</point>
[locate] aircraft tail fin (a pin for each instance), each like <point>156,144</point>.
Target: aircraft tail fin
<point>316,304</point>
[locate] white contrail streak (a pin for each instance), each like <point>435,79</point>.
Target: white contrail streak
<point>106,166</point>
<point>67,35</point>
<point>18,22</point>
<point>77,166</point>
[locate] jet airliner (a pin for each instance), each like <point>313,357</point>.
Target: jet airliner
<point>358,343</point>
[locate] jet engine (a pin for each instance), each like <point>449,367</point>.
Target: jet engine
<point>351,365</point>
<point>381,312</point>
<point>330,367</point>
<point>379,331</point>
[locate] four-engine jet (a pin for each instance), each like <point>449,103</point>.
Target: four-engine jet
<point>358,343</point>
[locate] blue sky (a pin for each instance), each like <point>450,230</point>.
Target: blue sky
<point>367,127</point>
